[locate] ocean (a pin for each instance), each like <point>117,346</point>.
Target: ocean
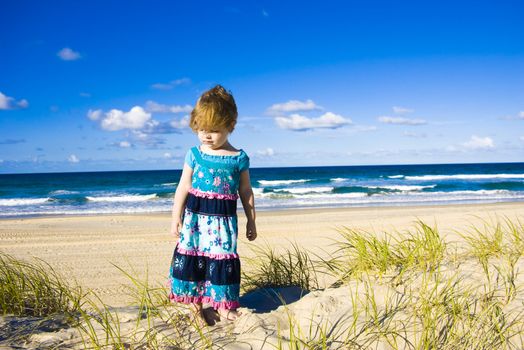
<point>89,193</point>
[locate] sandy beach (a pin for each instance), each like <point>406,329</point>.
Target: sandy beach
<point>396,310</point>
<point>87,248</point>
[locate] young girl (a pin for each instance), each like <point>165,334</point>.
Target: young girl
<point>205,267</point>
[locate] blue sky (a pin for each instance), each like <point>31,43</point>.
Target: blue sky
<point>108,85</point>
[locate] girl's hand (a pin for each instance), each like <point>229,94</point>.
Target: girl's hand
<point>251,230</point>
<point>176,225</point>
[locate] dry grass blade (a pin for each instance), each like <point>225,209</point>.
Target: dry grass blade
<point>34,288</point>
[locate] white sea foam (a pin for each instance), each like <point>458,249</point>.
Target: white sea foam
<point>169,184</point>
<point>280,182</point>
<point>402,187</point>
<point>302,190</point>
<point>59,192</point>
<point>338,179</point>
<point>104,210</point>
<point>478,192</point>
<point>392,198</point>
<point>466,177</point>
<point>257,191</point>
<point>335,195</point>
<point>396,176</point>
<point>11,202</point>
<point>124,198</point>
<point>274,200</point>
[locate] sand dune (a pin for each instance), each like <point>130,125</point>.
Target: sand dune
<point>87,248</point>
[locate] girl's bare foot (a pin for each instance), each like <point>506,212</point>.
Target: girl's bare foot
<point>228,314</point>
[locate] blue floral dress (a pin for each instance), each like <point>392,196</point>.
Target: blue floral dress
<point>205,267</point>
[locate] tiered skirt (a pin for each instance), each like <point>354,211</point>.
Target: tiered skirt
<point>205,267</point>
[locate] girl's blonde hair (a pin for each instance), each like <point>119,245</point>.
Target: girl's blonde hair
<point>215,108</point>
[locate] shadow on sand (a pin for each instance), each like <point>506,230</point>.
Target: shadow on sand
<point>268,299</point>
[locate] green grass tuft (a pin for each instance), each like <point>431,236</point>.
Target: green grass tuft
<point>34,288</point>
<point>269,269</point>
<point>359,252</point>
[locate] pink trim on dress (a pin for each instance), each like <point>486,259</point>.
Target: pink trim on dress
<point>187,299</point>
<point>213,195</point>
<point>209,255</point>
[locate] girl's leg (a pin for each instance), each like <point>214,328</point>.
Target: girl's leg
<point>199,315</point>
<point>196,307</point>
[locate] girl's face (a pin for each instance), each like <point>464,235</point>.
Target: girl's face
<point>213,138</point>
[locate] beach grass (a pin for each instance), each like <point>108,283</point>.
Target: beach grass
<point>495,238</point>
<point>402,290</point>
<point>154,323</point>
<point>33,291</point>
<point>358,252</point>
<point>35,288</point>
<point>268,268</point>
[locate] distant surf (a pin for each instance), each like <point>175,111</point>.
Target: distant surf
<point>466,177</point>
<point>123,198</point>
<point>280,182</point>
<point>274,188</point>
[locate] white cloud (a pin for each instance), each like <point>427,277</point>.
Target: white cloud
<point>520,115</point>
<point>298,122</point>
<point>22,104</point>
<point>139,135</point>
<point>7,102</point>
<point>116,119</point>
<point>476,142</point>
<point>180,81</point>
<point>124,144</point>
<point>381,152</point>
<point>73,159</point>
<point>364,128</point>
<point>521,138</point>
<point>293,106</point>
<point>180,124</point>
<point>68,54</point>
<point>402,110</point>
<point>136,119</point>
<point>172,127</point>
<point>401,120</point>
<point>268,152</point>
<point>167,155</point>
<point>152,106</point>
<point>414,134</point>
<point>171,84</point>
<point>94,114</point>
<point>161,86</point>
<point>148,140</point>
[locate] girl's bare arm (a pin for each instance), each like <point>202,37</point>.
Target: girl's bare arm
<point>248,202</point>
<point>180,198</point>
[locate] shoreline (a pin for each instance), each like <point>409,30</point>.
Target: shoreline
<point>270,211</point>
